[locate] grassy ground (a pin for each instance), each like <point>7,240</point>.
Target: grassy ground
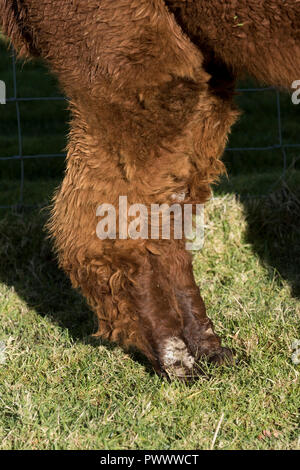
<point>60,389</point>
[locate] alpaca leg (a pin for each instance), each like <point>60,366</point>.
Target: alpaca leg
<point>136,307</point>
<point>233,33</point>
<point>197,329</point>
<point>163,323</point>
<point>151,302</point>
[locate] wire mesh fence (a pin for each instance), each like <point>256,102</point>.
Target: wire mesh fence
<point>21,157</point>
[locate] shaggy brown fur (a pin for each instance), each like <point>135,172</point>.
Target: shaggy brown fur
<point>151,99</point>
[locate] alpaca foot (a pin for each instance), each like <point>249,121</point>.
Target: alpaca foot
<point>221,356</point>
<point>176,361</point>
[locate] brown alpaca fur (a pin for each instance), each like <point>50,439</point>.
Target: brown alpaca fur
<point>151,86</point>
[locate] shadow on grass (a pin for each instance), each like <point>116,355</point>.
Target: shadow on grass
<point>28,265</point>
<point>273,226</point>
<point>274,232</point>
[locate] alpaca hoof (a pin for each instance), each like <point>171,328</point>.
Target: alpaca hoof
<point>184,375</point>
<point>222,356</point>
<point>177,362</point>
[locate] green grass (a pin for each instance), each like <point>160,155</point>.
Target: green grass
<point>61,389</point>
<point>44,124</point>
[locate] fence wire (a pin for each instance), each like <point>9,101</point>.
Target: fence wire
<point>21,157</point>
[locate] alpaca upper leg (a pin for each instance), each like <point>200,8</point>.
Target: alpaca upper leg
<point>257,38</point>
<point>132,307</point>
